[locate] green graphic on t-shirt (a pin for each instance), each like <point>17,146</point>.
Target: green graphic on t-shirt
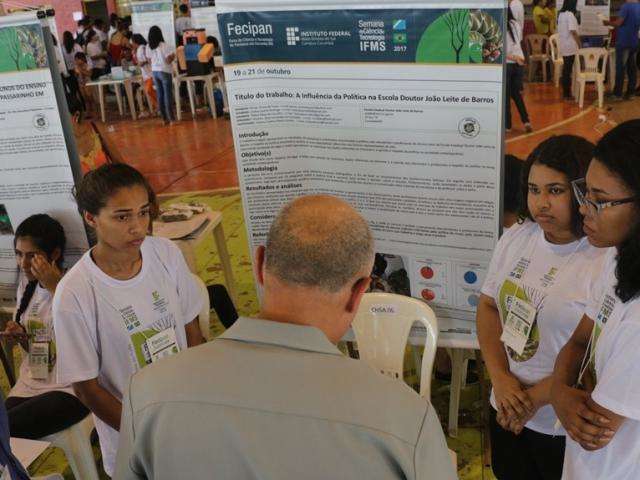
<point>39,332</point>
<point>590,377</point>
<point>139,342</point>
<point>507,291</point>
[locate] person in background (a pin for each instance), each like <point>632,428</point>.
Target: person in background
<point>216,45</point>
<point>249,386</point>
<point>96,54</point>
<point>512,203</point>
<point>552,15</point>
<point>540,275</point>
<point>541,19</point>
<point>596,382</point>
<point>117,41</point>
<point>568,43</point>
<point>129,301</point>
<point>183,22</point>
<point>161,57</point>
<point>628,24</point>
<point>517,9</point>
<point>98,27</point>
<point>515,73</point>
<point>126,59</point>
<point>139,45</point>
<point>82,73</point>
<point>113,25</point>
<point>37,405</point>
<point>69,50</point>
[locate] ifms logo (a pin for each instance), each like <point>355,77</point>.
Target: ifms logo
<point>383,309</point>
<point>293,35</point>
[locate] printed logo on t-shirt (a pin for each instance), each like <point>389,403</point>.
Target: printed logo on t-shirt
<point>520,268</point>
<point>549,278</point>
<point>606,309</point>
<point>160,304</point>
<point>130,318</point>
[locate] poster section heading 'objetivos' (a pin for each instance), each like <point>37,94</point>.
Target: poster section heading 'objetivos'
<point>396,110</point>
<point>35,170</point>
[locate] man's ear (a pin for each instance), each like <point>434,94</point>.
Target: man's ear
<point>258,265</point>
<point>358,289</point>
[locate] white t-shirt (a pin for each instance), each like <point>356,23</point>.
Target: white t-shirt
<point>514,45</point>
<point>556,280</point>
<point>102,323</point>
<point>38,320</point>
<point>617,375</point>
<point>69,58</point>
<point>157,57</point>
<point>517,8</point>
<point>93,49</point>
<point>567,23</point>
<point>141,56</point>
<point>101,35</point>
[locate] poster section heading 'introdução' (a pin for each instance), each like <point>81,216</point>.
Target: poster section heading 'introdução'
<point>34,161</point>
<point>396,110</point>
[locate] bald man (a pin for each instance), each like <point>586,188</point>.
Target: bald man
<point>273,398</point>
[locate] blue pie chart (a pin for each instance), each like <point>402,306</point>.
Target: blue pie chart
<point>471,277</point>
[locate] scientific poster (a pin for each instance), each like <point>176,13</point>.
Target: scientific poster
<point>146,14</point>
<point>396,108</point>
<point>34,162</point>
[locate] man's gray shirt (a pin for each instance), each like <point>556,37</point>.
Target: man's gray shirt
<point>269,400</point>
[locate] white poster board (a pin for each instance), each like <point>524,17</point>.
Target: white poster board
<point>395,107</point>
<point>35,165</point>
<point>205,17</point>
<point>146,14</point>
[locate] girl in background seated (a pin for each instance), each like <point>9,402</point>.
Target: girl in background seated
<point>37,405</point>
<point>83,75</point>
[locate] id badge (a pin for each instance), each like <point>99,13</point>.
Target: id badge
<point>162,344</point>
<point>518,325</point>
<point>39,360</point>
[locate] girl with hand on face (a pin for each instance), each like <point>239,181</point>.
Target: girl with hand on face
<point>128,302</point>
<point>37,405</point>
<point>602,415</point>
<point>536,288</point>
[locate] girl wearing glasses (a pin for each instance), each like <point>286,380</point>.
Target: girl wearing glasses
<point>532,300</point>
<point>127,303</point>
<point>601,413</point>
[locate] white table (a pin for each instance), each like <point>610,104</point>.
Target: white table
<point>188,243</point>
<point>126,81</point>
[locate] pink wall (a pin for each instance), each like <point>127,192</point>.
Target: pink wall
<point>64,11</point>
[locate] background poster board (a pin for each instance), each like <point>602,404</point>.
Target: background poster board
<point>396,108</point>
<point>146,14</point>
<point>37,153</point>
<point>205,16</point>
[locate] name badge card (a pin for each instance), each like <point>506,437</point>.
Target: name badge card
<point>39,360</point>
<point>163,344</point>
<point>518,325</point>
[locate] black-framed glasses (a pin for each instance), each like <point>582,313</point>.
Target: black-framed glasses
<point>580,191</point>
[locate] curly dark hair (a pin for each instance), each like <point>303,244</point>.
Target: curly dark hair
<point>619,151</point>
<point>567,154</point>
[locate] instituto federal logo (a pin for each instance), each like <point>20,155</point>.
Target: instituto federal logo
<point>293,36</point>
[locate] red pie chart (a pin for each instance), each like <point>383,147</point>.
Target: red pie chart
<point>428,295</point>
<point>427,272</point>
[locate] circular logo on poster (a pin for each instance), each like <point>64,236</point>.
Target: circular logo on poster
<point>40,122</point>
<point>469,127</point>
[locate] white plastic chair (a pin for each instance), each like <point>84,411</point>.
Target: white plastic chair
<point>76,443</point>
<point>591,66</point>
<point>557,61</point>
<point>538,52</point>
<point>205,313</point>
<point>382,326</point>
